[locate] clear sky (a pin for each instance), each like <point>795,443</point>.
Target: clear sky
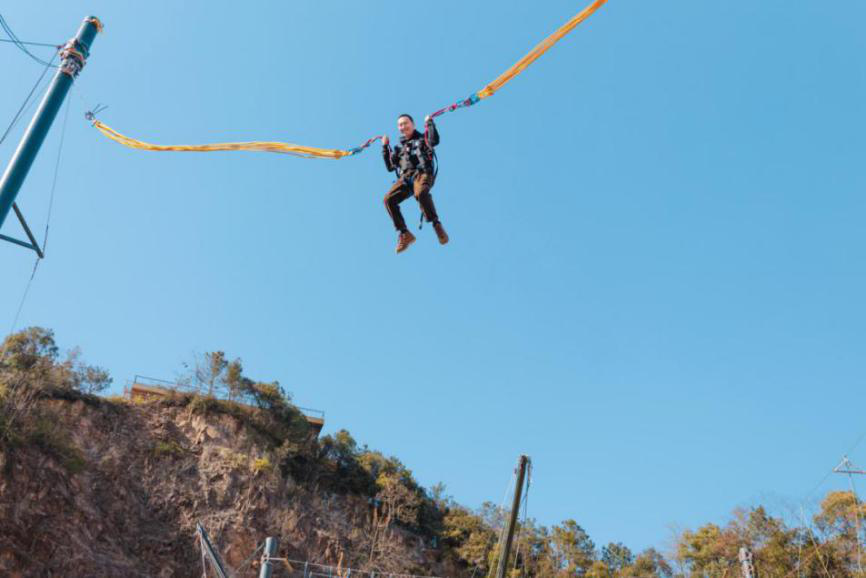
<point>656,275</point>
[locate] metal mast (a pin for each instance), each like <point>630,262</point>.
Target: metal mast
<point>73,57</point>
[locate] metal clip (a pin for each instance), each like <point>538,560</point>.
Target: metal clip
<point>91,114</point>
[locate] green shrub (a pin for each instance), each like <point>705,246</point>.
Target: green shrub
<point>236,460</point>
<point>262,465</point>
<point>168,449</point>
<point>47,435</point>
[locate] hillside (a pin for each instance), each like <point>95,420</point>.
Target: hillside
<point>111,487</point>
<point>96,486</point>
<point>120,496</point>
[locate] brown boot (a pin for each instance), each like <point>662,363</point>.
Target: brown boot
<point>404,240</point>
<point>440,232</point>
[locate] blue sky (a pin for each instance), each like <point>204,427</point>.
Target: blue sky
<point>654,285</point>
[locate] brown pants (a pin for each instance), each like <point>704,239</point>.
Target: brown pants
<point>402,190</point>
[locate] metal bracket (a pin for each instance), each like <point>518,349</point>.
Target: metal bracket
<point>846,466</point>
<point>91,114</point>
<point>33,245</point>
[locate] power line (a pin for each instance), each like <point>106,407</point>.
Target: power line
<point>17,42</point>
<point>24,297</point>
<point>28,101</point>
<point>56,173</point>
<point>45,44</point>
<point>856,443</point>
<point>827,476</point>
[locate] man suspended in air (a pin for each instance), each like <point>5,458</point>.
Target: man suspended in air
<point>413,162</point>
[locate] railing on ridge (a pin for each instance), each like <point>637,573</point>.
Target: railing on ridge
<point>218,391</point>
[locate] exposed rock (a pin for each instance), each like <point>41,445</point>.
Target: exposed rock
<point>149,473</point>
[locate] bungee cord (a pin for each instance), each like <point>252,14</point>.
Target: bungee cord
<point>315,152</point>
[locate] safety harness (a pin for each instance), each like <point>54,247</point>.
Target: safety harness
<point>426,160</point>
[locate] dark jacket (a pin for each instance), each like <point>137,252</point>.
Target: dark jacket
<point>413,153</point>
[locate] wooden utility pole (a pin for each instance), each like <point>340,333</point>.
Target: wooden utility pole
<point>504,552</point>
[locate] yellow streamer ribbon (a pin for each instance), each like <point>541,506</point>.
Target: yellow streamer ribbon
<point>263,146</point>
<point>313,152</point>
<point>540,49</point>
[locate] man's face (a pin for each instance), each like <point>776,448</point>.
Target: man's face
<point>405,126</point>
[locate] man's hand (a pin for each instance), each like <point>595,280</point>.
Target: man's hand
<point>428,118</point>
<point>385,140</point>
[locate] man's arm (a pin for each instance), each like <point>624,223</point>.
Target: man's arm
<point>432,133</point>
<point>386,154</point>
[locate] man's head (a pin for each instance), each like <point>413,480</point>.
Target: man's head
<point>406,125</point>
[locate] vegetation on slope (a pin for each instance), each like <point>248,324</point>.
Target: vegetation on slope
<point>33,376</point>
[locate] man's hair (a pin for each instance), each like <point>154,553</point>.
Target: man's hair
<point>409,116</point>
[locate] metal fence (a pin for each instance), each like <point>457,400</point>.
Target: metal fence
<point>217,391</point>
<point>301,569</point>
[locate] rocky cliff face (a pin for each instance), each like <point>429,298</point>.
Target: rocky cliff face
<point>120,494</point>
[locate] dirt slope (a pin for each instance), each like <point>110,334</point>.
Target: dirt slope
<point>124,494</point>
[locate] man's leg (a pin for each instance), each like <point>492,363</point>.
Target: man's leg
<point>398,193</point>
<point>421,187</point>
